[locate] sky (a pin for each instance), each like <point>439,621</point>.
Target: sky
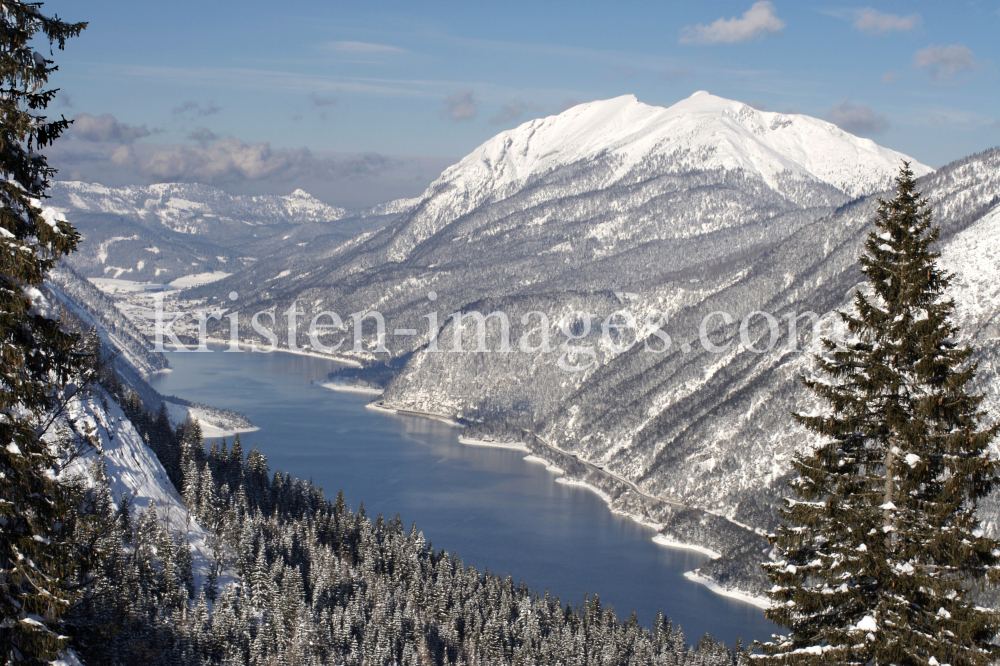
<point>363,102</point>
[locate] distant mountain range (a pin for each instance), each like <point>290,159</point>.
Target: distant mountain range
<point>708,205</point>
<point>162,232</point>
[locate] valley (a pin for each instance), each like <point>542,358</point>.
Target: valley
<point>610,207</point>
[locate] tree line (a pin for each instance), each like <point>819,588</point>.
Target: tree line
<point>308,581</point>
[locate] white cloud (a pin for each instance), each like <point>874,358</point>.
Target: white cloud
<point>890,77</point>
<point>461,106</point>
<point>343,179</point>
<point>759,20</point>
<point>857,118</point>
<point>874,22</point>
<point>227,159</point>
<point>123,156</point>
<point>362,47</point>
<point>944,63</point>
<point>106,128</point>
<point>230,160</point>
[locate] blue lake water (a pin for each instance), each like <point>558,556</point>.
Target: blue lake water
<point>489,505</point>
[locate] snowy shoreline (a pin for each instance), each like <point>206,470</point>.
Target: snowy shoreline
<point>660,540</point>
<point>759,602</point>
<point>693,576</point>
<point>211,428</point>
<point>567,481</point>
<point>344,387</point>
<point>301,352</point>
<point>512,446</point>
<point>548,464</point>
<point>378,406</point>
<point>671,543</point>
<point>210,431</point>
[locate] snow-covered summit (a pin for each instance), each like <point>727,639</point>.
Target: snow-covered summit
<point>710,131</point>
<point>701,133</point>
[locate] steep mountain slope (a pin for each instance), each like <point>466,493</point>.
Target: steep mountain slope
<point>708,429</point>
<point>133,470</point>
<point>98,311</point>
<point>713,429</point>
<point>128,352</point>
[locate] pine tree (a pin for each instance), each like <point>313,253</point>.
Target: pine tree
<point>878,555</point>
<point>235,464</point>
<point>37,359</point>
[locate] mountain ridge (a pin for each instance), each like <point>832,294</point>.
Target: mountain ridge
<point>702,132</point>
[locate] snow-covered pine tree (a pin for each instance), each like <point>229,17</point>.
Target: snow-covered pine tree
<point>878,555</point>
<point>37,359</point>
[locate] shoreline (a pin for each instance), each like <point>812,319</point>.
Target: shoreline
<point>343,387</point>
<point>284,350</point>
<point>379,406</point>
<point>759,602</point>
<point>211,432</point>
<point>510,446</point>
<point>693,576</point>
<point>178,413</point>
<point>567,481</point>
<point>661,540</point>
<point>549,465</point>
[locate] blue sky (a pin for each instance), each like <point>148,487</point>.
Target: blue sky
<point>342,91</point>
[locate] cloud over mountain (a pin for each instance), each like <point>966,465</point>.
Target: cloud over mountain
<point>757,21</point>
<point>106,128</point>
<point>230,159</point>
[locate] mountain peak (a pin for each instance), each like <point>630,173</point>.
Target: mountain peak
<point>701,132</point>
<point>623,139</point>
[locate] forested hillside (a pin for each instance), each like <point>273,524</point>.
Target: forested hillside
<point>296,579</point>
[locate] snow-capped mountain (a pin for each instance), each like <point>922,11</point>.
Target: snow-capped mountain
<point>190,207</point>
<point>700,133</point>
<point>158,233</point>
<point>611,195</point>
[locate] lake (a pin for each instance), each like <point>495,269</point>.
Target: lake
<point>491,507</point>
